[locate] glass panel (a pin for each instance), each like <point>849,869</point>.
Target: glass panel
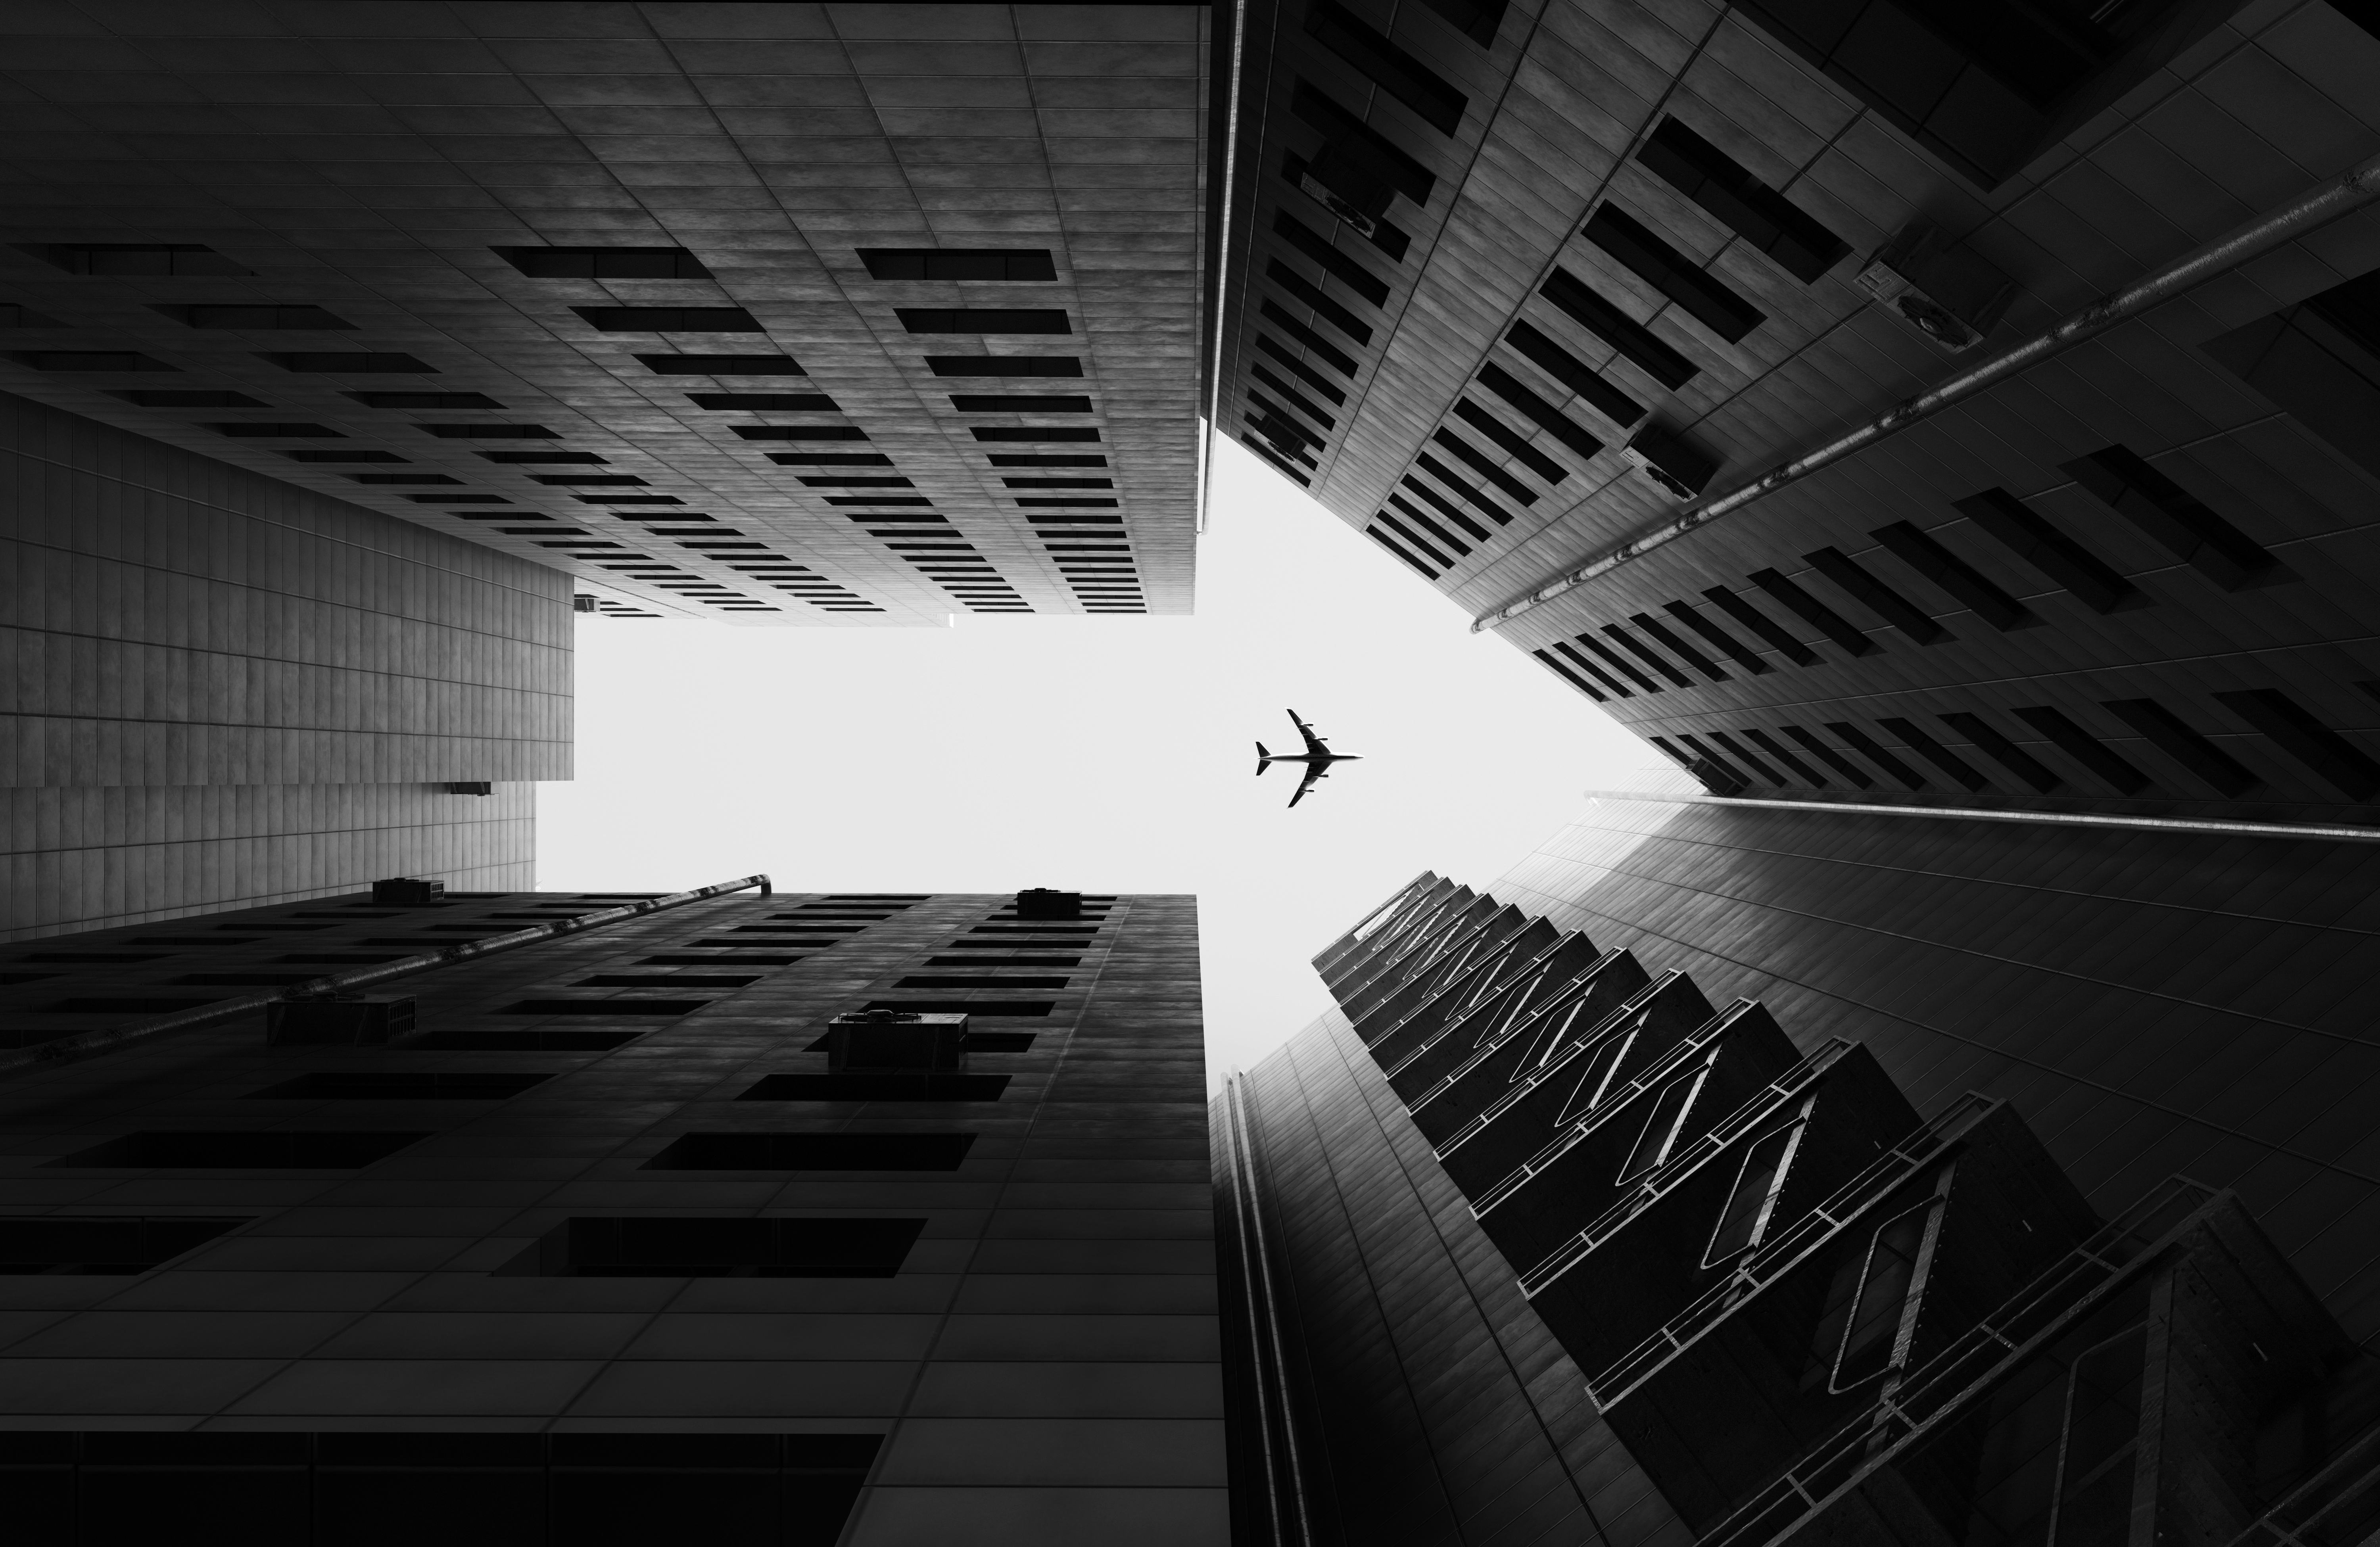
<point>1746,1218</point>
<point>1869,1342</point>
<point>1661,1128</point>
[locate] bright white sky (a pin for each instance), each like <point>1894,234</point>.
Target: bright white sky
<point>1096,754</point>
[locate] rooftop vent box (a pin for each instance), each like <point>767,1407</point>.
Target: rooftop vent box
<point>358,1022</point>
<point>406,890</point>
<point>1346,176</point>
<point>1042,903</point>
<point>895,1042</point>
<point>1946,293</point>
<point>1669,461</point>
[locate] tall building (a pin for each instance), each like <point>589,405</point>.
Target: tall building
<point>1615,1206</point>
<point>606,1236</point>
<point>1543,298</point>
<point>345,347</point>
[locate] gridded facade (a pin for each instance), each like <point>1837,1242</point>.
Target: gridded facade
<point>1524,283</point>
<point>603,1247</point>
<point>224,690</point>
<point>1533,1238</point>
<point>788,313</point>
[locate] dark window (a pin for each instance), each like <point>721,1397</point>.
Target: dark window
<point>1776,748</point>
<point>1868,747</point>
<point>603,262</point>
<point>489,431</point>
<point>537,1040</point>
<point>2023,532</point>
<point>1002,264</point>
<point>1322,349</point>
<point>1604,653</point>
<point>2085,749</point>
<point>1733,648</point>
<point>1486,466</point>
<point>1477,19</point>
<point>1304,372</point>
<point>1393,547</point>
<point>280,432</point>
<point>1438,502</point>
<point>2166,731</point>
<point>1727,744</point>
<point>1921,552</point>
<point>1872,1332</point>
<point>1403,76</point>
<point>2320,360</point>
<point>1569,676</point>
<point>139,260</point>
<point>645,1246</point>
<point>1004,365</point>
<point>830,460</point>
<point>1593,670</point>
<point>1917,740</point>
<point>531,458</point>
<point>116,1244</point>
<point>800,432</point>
<point>2307,739</point>
<point>1335,264</point>
<point>771,402</point>
<point>879,1086</point>
<point>983,318</point>
<point>669,318</point>
<point>1392,240</point>
<point>1632,338</point>
<point>570,480</point>
<point>1661,1126</point>
<point>469,499</point>
<point>1678,647</point>
<point>931,981</point>
<point>1504,384</point>
<point>401,478</point>
<point>1744,1219</point>
<point>1634,247</point>
<point>2176,517</point>
<point>407,1086</point>
<point>1719,775</point>
<point>2001,749</point>
<point>603,1007</point>
<point>721,365</point>
<point>814,1151</point>
<point>424,399</point>
<point>177,397</point>
<point>1879,598</point>
<point>1309,294</point>
<point>1407,176</point>
<point>1810,610</point>
<point>87,359</point>
<point>1852,772</point>
<point>1742,202</point>
<point>353,362</point>
<point>975,403</point>
<point>1292,396</point>
<point>1516,446</point>
<point>1443,538</point>
<point>1650,656</point>
<point>966,1007</point>
<point>258,317</point>
<point>272,1150</point>
<point>1462,486</point>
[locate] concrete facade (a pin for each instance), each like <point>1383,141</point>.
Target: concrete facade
<point>1036,1359</point>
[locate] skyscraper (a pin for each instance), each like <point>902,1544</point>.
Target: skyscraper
<point>626,1234</point>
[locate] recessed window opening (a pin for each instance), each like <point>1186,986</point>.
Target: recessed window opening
<point>1679,648</point>
<point>1775,749</point>
<point>1443,507</point>
<point>112,1244</point>
<point>2085,749</point>
<point>1010,265</point>
<point>2176,517</point>
<point>1851,773</point>
<point>1317,347</point>
<point>1367,285</point>
<point>1744,1218</point>
<point>1634,342</point>
<point>1727,744</point>
<point>1917,740</point>
<point>1514,445</point>
<point>1923,553</point>
<point>1810,610</point>
<point>2025,533</point>
<point>1571,372</point>
<point>1303,371</point>
<point>1406,174</point>
<point>1875,1335</point>
<point>2306,738</point>
<point>1485,465</point>
<point>2170,735</point>
<point>669,318</point>
<point>2001,749</point>
<point>1728,190</point>
<point>1292,396</point>
<point>1310,295</point>
<point>1650,656</point>
<point>1733,648</point>
<point>1598,1076</point>
<point>1637,248</point>
<point>1297,170</point>
<point>1430,94</point>
<point>1761,623</point>
<point>1616,664</point>
<point>1591,669</point>
<point>1461,485</point>
<point>1662,1127</point>
<point>984,318</point>
<point>603,262</point>
<point>1878,597</point>
<point>1868,747</point>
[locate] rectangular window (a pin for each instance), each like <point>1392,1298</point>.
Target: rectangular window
<point>274,1150</point>
<point>1732,648</point>
<point>1478,462</point>
<point>1719,775</point>
<point>1504,384</point>
<point>1645,653</point>
<point>1309,294</point>
<point>2170,735</point>
<point>1872,1341</point>
<point>1812,611</point>
<point>1678,647</point>
<point>1004,365</point>
<point>1462,486</point>
<point>1050,434</point>
<point>669,1007</point>
<point>88,359</point>
<point>1727,744</point>
<point>1437,535</point>
<point>1761,623</point>
<point>2337,760</point>
<point>283,431</point>
<point>1303,371</point>
<point>1593,670</point>
<point>1635,247</point>
<point>1776,748</point>
<point>603,262</point>
<point>1632,338</point>
<point>2085,749</point>
<point>1546,661</point>
<point>777,402</point>
<point>1438,502</point>
<point>2320,361</point>
<point>830,460</point>
<point>1385,541</point>
<point>1320,347</point>
<point>1917,740</point>
<point>1852,774</point>
<point>665,1247</point>
<point>1662,1126</point>
<point>407,1086</point>
<point>1292,396</point>
<point>1742,202</point>
<point>1514,445</point>
<point>814,1151</point>
<point>1406,174</point>
<point>139,260</point>
<point>1403,76</point>
<point>1868,747</point>
<point>976,403</point>
<point>721,365</point>
<point>1744,1218</point>
<point>1390,239</point>
<point>983,318</point>
<point>178,397</point>
<point>351,362</point>
<point>424,399</point>
<point>1923,553</point>
<point>2017,527</point>
<point>2176,517</point>
<point>1335,264</point>
<point>1878,598</point>
<point>1002,264</point>
<point>1600,1071</point>
<point>108,1244</point>
<point>669,318</point>
<point>1605,653</point>
<point>257,317</point>
<point>1983,735</point>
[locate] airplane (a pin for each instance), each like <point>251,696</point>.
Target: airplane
<point>1318,758</point>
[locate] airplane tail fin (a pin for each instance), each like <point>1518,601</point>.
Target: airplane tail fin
<point>1264,758</point>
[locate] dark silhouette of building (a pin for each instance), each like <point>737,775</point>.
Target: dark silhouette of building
<point>704,1224</point>
<point>1534,1240</point>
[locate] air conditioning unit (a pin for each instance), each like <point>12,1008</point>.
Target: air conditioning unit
<point>470,786</point>
<point>1042,903</point>
<point>893,1042</point>
<point>582,602</point>
<point>406,891</point>
<point>1946,293</point>
<point>1347,178</point>
<point>354,1022</point>
<point>1662,455</point>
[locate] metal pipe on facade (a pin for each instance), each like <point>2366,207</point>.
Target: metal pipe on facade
<point>91,1044</point>
<point>2209,825</point>
<point>2311,211</point>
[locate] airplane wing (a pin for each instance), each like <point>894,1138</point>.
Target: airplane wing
<point>1313,742</point>
<point>1313,772</point>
